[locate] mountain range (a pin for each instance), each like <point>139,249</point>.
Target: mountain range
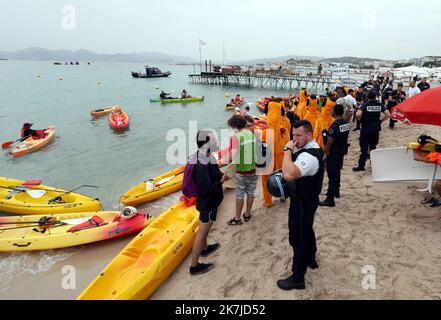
<point>37,53</point>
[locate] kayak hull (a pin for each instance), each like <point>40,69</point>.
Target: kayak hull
<point>23,204</point>
<point>149,259</point>
<point>138,195</point>
<point>119,122</point>
<point>186,100</point>
<point>31,144</point>
<point>30,239</point>
<point>101,112</point>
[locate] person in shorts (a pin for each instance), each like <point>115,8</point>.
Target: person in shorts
<point>242,147</point>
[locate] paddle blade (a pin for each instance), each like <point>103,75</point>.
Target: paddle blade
<point>7,144</point>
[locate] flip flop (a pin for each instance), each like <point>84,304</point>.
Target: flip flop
<point>247,218</point>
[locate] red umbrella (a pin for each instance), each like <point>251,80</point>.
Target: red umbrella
<point>424,108</point>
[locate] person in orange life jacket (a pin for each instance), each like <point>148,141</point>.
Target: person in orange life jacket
<point>335,150</point>
<point>276,137</point>
<point>242,150</point>
<point>208,179</point>
<point>302,164</point>
<point>27,132</point>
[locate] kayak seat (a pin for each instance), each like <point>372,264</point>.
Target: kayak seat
<point>94,222</point>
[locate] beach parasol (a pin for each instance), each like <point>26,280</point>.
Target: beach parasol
<point>424,108</point>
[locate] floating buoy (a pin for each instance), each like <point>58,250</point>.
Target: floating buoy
<point>157,88</point>
<point>61,78</point>
<point>227,95</point>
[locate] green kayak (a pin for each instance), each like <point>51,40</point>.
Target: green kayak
<point>180,100</point>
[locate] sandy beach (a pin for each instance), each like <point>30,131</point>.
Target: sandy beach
<point>381,225</point>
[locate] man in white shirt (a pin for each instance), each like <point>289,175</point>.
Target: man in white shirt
<point>303,166</point>
<point>413,90</point>
<point>350,105</point>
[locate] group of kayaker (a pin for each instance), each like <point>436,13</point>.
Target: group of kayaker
<point>184,95</point>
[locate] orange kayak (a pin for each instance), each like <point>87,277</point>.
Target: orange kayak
<point>31,144</point>
<point>101,112</point>
<point>119,120</point>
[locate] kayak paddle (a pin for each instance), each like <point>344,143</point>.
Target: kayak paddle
<point>7,144</point>
<point>67,192</point>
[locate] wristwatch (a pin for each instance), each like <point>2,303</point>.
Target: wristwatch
<point>288,149</point>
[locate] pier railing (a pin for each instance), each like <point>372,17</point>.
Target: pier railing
<point>317,83</point>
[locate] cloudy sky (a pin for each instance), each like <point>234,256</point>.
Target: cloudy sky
<point>249,28</point>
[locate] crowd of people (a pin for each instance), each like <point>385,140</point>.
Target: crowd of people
<point>307,136</point>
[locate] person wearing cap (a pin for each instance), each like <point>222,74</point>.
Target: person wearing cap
<point>369,115</point>
<point>396,97</point>
<point>303,164</point>
<point>27,132</point>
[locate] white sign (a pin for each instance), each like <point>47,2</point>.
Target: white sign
<point>340,72</point>
<point>350,83</point>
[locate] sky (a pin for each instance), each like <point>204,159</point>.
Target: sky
<point>250,29</point>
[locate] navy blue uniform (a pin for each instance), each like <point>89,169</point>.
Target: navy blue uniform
<point>339,131</point>
<point>301,216</point>
<point>370,128</point>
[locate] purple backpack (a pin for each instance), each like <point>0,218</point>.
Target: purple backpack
<point>189,187</point>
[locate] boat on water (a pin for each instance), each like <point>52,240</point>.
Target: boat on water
<point>151,72</point>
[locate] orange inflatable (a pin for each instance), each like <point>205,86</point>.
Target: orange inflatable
<point>324,122</point>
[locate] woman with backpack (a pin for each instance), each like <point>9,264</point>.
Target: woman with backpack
<point>203,180</point>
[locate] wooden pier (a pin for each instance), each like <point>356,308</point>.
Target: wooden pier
<point>314,83</point>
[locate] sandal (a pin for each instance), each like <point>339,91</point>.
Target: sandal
<point>428,200</point>
<point>247,218</point>
<point>234,222</point>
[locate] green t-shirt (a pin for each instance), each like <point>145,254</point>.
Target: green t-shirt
<point>246,159</point>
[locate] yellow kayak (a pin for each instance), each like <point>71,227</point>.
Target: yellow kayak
<point>159,187</point>
<point>66,230</point>
<point>149,259</point>
<point>22,201</point>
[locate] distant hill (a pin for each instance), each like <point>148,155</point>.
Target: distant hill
<point>350,60</point>
<point>276,59</point>
<point>36,53</point>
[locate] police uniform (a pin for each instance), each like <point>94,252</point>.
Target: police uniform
<point>339,131</point>
<point>370,128</point>
<point>303,206</point>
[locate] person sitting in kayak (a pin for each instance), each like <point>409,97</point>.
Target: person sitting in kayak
<point>164,95</point>
<point>238,99</point>
<point>231,104</point>
<point>27,132</point>
<point>185,95</point>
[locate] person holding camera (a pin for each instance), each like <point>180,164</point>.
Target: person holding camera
<point>303,166</point>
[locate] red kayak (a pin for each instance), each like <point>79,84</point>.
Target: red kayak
<point>119,120</point>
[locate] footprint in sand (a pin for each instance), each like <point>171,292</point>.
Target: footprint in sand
<point>231,290</point>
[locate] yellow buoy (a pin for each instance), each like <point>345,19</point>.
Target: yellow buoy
<point>227,95</point>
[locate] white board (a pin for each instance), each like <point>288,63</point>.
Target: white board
<point>398,164</point>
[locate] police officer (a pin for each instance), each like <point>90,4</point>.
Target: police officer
<point>395,97</point>
<point>302,164</point>
<point>335,150</point>
<point>369,115</point>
